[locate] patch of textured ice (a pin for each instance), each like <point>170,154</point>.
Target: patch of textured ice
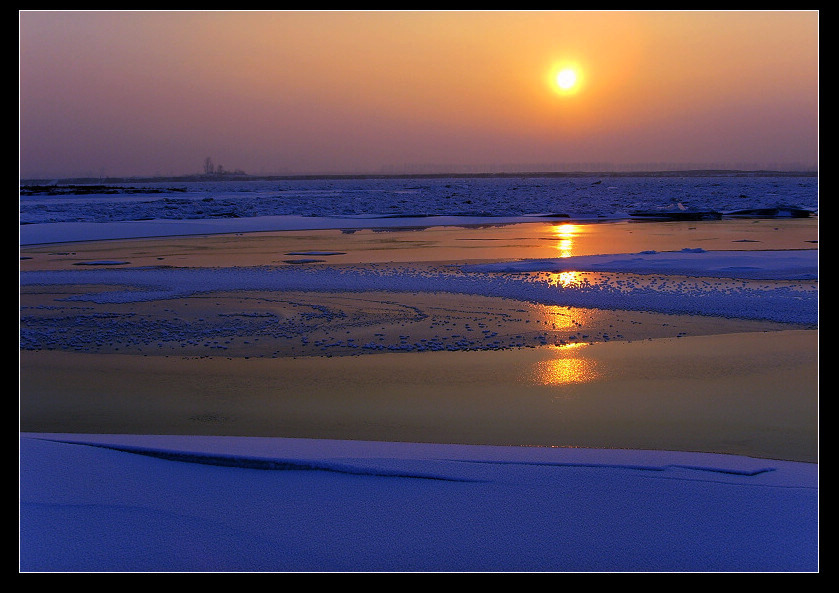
<point>781,303</point>
<point>762,265</point>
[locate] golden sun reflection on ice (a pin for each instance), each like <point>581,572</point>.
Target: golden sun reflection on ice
<point>566,234</point>
<point>565,368</point>
<point>559,317</point>
<point>562,278</point>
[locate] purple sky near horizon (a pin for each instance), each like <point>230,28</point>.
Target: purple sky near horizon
<point>155,93</point>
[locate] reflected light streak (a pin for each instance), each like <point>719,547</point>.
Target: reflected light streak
<point>566,233</point>
<point>563,278</point>
<point>559,317</point>
<point>565,370</point>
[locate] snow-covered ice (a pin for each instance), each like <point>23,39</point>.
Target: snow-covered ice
<point>149,503</point>
<point>777,265</point>
<point>782,303</point>
<point>50,213</point>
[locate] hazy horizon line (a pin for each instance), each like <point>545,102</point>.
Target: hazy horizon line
<point>440,170</point>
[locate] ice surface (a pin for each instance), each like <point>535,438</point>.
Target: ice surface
<point>418,197</point>
<point>164,503</point>
<point>155,503</point>
<point>670,294</point>
<point>776,265</point>
<point>195,207</point>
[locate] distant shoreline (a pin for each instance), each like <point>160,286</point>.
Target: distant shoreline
<point>525,174</point>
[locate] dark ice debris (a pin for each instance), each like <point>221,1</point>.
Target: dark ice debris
<point>772,212</point>
<point>676,214</point>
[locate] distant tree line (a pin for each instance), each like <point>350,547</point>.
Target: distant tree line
<point>210,169</point>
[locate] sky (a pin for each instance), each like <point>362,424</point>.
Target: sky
<point>124,93</point>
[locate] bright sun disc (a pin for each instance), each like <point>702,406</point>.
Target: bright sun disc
<point>566,79</point>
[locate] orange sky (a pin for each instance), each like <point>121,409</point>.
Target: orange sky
<point>147,93</point>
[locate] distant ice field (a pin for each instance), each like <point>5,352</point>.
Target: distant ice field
<point>595,195</point>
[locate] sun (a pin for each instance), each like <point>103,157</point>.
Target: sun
<point>566,79</point>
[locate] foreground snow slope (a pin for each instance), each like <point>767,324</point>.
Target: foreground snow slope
<point>156,503</point>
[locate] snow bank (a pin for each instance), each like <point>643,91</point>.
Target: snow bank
<point>160,503</point>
